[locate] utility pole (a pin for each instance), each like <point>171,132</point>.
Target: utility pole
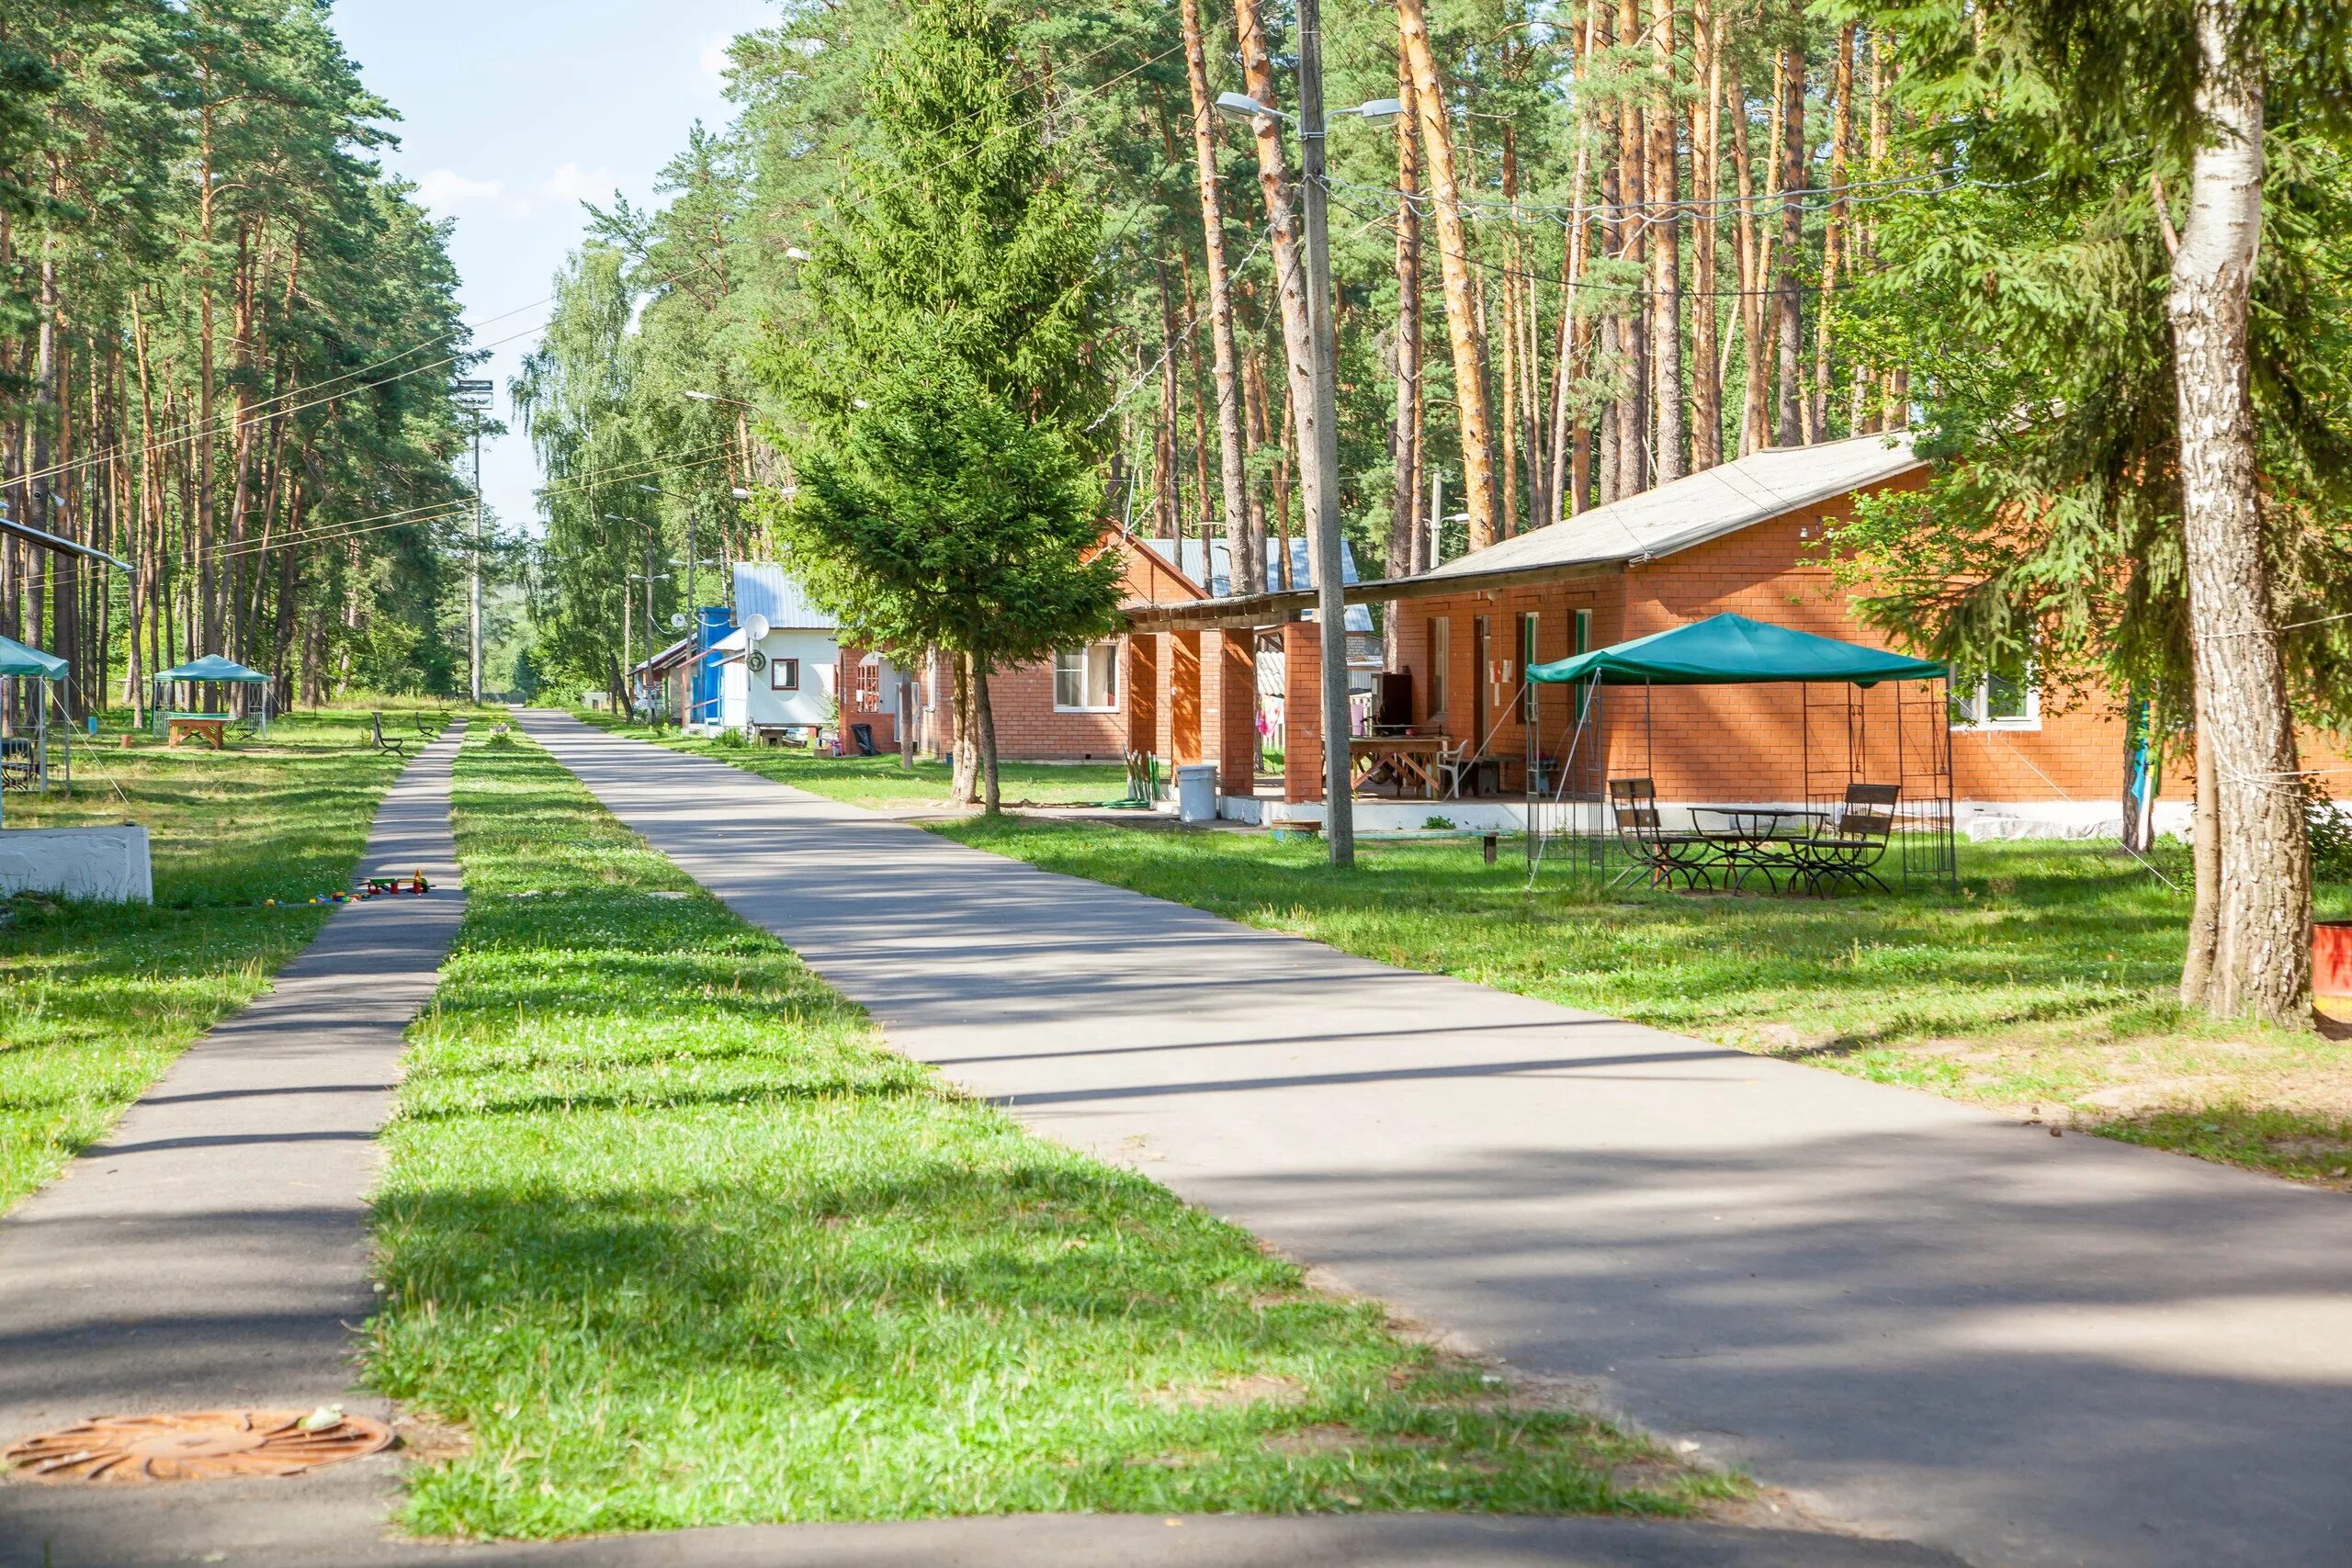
<point>1322,474</point>
<point>1320,437</point>
<point>474,397</point>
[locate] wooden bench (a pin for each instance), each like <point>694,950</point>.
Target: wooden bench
<point>211,726</point>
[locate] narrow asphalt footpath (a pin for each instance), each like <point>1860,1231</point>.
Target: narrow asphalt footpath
<point>1928,1322</point>
<point>213,1253</point>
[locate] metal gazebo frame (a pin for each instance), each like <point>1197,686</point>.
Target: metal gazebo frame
<point>1567,792</point>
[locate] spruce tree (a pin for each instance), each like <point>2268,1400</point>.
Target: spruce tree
<point>938,381</point>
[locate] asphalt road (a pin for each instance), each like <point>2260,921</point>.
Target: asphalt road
<point>1928,1322</point>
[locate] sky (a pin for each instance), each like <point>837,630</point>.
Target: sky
<point>514,111</point>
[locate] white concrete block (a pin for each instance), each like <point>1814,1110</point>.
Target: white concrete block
<point>104,864</point>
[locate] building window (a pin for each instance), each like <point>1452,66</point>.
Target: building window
<point>1584,632</point>
<point>1440,661</point>
<point>784,674</point>
<point>1996,701</point>
<point>1086,679</point>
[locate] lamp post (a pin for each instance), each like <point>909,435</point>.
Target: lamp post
<point>1319,441</point>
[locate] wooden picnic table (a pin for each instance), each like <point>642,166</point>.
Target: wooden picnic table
<point>211,726</point>
<point>1409,759</point>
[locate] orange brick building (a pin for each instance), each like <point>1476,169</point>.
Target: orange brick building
<point>1185,696</point>
<point>1744,536</point>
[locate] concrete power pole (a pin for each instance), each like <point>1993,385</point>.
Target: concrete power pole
<point>1322,472</point>
<point>474,395</point>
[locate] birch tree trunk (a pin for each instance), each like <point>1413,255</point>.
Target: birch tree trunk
<point>1239,541</point>
<point>2262,947</point>
<point>1454,264</point>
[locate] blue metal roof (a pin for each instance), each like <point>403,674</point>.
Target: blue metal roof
<point>1185,556</point>
<point>764,590</point>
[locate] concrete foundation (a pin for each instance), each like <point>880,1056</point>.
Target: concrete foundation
<point>104,864</point>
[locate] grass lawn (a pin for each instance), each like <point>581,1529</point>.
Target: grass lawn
<point>2045,986</point>
<point>879,783</point>
<point>675,1241</point>
<point>100,997</point>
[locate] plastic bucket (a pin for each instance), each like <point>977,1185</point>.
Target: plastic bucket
<point>1196,792</point>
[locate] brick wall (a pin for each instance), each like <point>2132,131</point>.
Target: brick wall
<point>1302,712</point>
<point>1751,742</point>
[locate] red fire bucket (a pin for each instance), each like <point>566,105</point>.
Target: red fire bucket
<point>2331,965</point>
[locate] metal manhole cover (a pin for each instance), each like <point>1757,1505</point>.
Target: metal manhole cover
<point>203,1445</point>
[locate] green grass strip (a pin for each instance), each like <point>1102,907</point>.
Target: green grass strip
<point>677,1241</point>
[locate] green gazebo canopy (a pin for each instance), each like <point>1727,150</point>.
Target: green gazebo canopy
<point>212,667</point>
<point>16,658</point>
<point>1729,649</point>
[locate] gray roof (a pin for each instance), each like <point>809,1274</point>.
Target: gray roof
<point>1706,505</point>
<point>764,590</point>
<point>1184,554</point>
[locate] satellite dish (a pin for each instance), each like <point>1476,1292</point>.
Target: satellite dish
<point>677,620</point>
<point>755,626</point>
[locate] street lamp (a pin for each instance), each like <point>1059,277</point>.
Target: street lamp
<point>1319,446</point>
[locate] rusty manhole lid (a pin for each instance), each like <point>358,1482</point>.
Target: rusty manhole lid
<point>203,1445</point>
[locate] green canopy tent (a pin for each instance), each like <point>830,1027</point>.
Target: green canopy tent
<point>210,670</point>
<point>1733,650</point>
<point>1728,651</point>
<point>25,760</point>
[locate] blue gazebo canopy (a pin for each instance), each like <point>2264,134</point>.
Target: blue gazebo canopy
<point>212,667</point>
<point>1728,650</point>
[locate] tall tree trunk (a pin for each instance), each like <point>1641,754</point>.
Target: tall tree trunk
<point>1706,378</point>
<point>1662,180</point>
<point>1290,265</point>
<point>2262,955</point>
<point>1755,317</point>
<point>1571,438</point>
<point>1462,336</point>
<point>1405,496</point>
<point>2205,847</point>
<point>1792,415</point>
<point>964,777</point>
<point>1167,511</point>
<point>1253,401</point>
<point>1632,328</point>
<point>206,570</point>
<point>1860,418</point>
<point>1241,540</point>
<point>1507,467</point>
<point>984,730</point>
<point>1833,232</point>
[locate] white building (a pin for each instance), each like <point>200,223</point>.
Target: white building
<point>780,668</point>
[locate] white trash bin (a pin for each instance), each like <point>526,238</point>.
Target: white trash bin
<point>1196,792</point>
